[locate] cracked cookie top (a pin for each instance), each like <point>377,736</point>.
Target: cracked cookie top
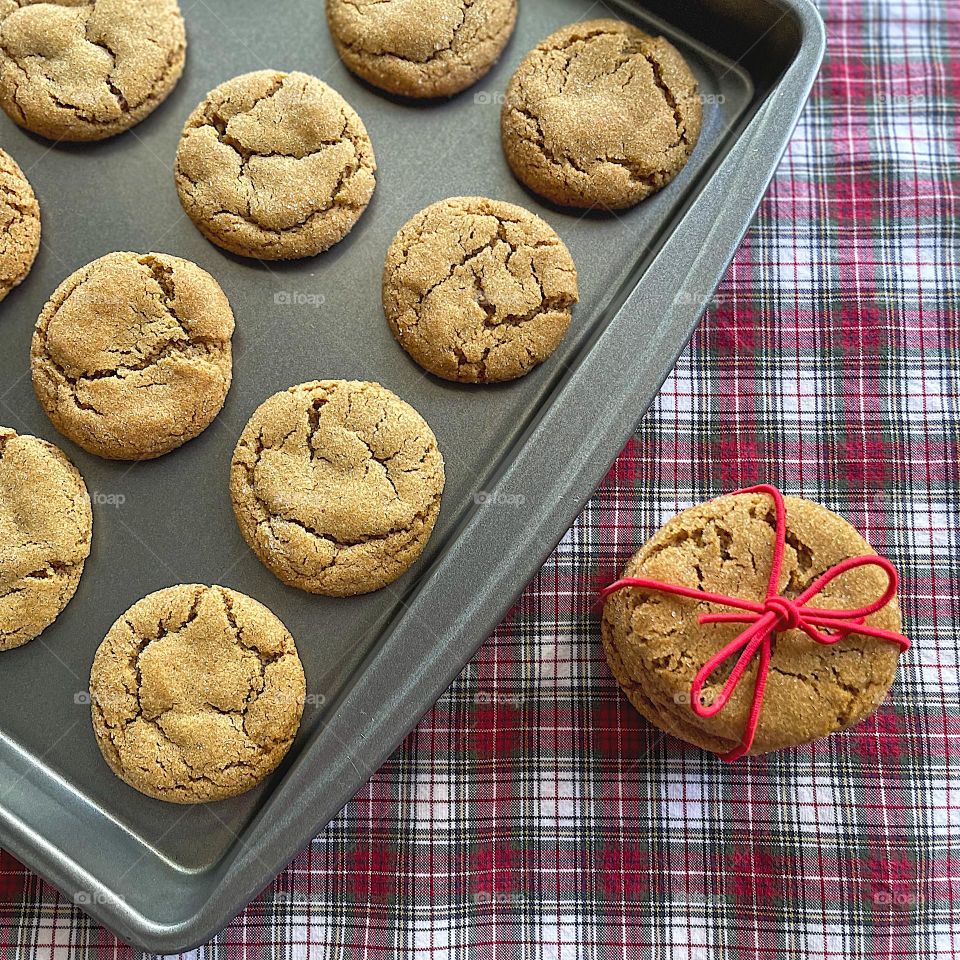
<point>275,166</point>
<point>336,486</point>
<point>421,48</point>
<point>19,225</point>
<point>131,356</point>
<point>45,530</point>
<point>655,646</point>
<point>196,694</point>
<point>478,290</point>
<point>600,115</point>
<point>87,69</point>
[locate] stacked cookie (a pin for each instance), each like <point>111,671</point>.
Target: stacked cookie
<point>336,485</point>
<point>657,642</point>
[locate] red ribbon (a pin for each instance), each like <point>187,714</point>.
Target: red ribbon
<point>775,615</point>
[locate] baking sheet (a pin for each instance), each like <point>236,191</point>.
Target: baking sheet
<point>521,457</point>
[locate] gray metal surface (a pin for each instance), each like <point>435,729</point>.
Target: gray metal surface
<point>167,877</point>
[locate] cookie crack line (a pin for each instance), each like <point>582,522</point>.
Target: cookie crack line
<point>298,227</point>
<point>52,570</point>
<point>157,94</point>
<point>214,119</point>
<point>191,346</point>
<point>469,258</point>
<point>164,630</point>
<point>439,53</point>
<point>270,516</point>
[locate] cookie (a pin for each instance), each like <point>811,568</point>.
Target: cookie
<point>427,48</point>
<point>131,356</point>
<point>655,645</point>
<point>19,225</point>
<point>88,69</point>
<point>275,166</point>
<point>600,115</point>
<point>45,530</point>
<point>196,694</point>
<point>336,486</point>
<point>478,290</point>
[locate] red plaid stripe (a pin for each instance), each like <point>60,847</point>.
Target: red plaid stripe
<point>533,813</point>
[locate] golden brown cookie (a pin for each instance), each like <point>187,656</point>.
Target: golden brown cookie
<point>478,290</point>
<point>87,69</point>
<point>421,48</point>
<point>336,486</point>
<point>600,115</point>
<point>19,225</point>
<point>655,645</point>
<point>45,530</point>
<point>275,166</point>
<point>131,356</point>
<point>196,694</point>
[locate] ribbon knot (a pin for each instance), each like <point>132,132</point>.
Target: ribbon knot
<point>786,611</point>
<point>776,614</point>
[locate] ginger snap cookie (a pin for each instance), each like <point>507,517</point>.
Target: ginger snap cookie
<point>336,486</point>
<point>45,530</point>
<point>19,223</point>
<point>131,356</point>
<point>87,69</point>
<point>275,166</point>
<point>478,290</point>
<point>421,48</point>
<point>600,115</point>
<point>656,645</point>
<point>196,694</point>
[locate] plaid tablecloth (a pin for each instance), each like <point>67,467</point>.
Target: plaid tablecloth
<point>533,813</point>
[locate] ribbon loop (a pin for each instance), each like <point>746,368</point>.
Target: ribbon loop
<point>777,614</point>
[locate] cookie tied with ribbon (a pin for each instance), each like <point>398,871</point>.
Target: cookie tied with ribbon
<point>754,622</point>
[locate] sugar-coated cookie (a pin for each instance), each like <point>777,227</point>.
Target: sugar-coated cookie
<point>275,166</point>
<point>88,69</point>
<point>478,290</point>
<point>655,644</point>
<point>336,486</point>
<point>600,115</point>
<point>19,225</point>
<point>421,48</point>
<point>45,529</point>
<point>132,357</point>
<point>196,693</point>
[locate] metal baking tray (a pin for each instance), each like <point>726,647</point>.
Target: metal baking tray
<point>522,458</point>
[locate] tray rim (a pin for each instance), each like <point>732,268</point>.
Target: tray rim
<point>767,133</point>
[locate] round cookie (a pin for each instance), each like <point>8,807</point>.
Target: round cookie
<point>336,486</point>
<point>655,645</point>
<point>421,48</point>
<point>196,694</point>
<point>477,290</point>
<point>131,356</point>
<point>600,115</point>
<point>19,225</point>
<point>88,69</point>
<point>45,530</point>
<point>275,166</point>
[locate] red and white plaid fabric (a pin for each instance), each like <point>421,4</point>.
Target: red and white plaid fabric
<point>533,813</point>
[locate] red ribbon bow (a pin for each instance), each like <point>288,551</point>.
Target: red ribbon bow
<point>775,615</point>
